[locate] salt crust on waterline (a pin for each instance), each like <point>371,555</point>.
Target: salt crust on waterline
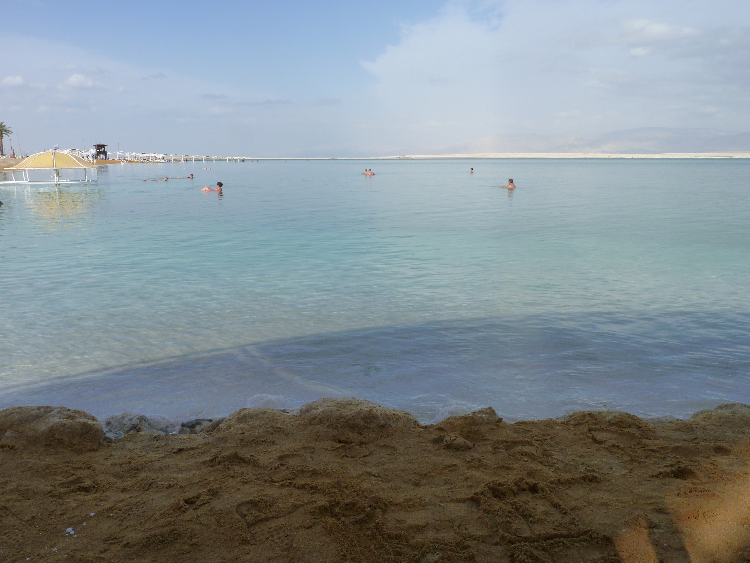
<point>61,427</point>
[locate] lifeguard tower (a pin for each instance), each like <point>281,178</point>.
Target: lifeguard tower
<point>100,152</point>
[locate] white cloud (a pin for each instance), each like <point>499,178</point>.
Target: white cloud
<point>444,78</point>
<point>646,31</point>
<point>79,82</point>
<point>640,51</point>
<point>12,81</point>
<point>530,66</point>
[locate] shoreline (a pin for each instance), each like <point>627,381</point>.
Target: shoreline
<point>170,422</point>
<point>7,162</point>
<point>501,156</point>
<point>350,481</point>
<point>480,156</point>
<point>119,425</point>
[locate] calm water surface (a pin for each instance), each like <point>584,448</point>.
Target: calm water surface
<point>614,284</point>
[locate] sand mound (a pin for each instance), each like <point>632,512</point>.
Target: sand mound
<point>252,420</point>
<point>610,419</point>
<point>461,432</point>
<point>354,414</point>
<point>732,415</point>
<point>50,427</point>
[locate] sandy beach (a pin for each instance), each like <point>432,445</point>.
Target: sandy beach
<point>8,162</point>
<point>347,480</point>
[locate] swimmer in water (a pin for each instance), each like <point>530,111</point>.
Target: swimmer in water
<point>511,185</point>
<point>210,189</point>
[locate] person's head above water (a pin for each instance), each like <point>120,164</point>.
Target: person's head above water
<point>510,180</point>
<point>220,185</point>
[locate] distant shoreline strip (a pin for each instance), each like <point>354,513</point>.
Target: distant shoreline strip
<point>6,162</point>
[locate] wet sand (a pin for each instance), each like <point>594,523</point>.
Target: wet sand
<point>347,480</point>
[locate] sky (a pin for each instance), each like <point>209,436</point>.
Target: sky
<point>348,79</point>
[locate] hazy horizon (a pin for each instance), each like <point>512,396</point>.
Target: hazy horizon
<point>293,79</point>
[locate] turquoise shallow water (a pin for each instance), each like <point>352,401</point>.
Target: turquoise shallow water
<point>617,284</point>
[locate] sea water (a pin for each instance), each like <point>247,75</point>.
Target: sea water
<point>596,284</point>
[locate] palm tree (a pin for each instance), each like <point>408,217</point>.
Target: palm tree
<point>4,130</point>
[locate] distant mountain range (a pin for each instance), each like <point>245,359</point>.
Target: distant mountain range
<point>650,140</point>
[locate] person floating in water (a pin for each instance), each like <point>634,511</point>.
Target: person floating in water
<point>210,189</point>
<point>472,171</point>
<point>369,172</point>
<point>511,185</point>
<point>181,177</point>
<point>157,180</point>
